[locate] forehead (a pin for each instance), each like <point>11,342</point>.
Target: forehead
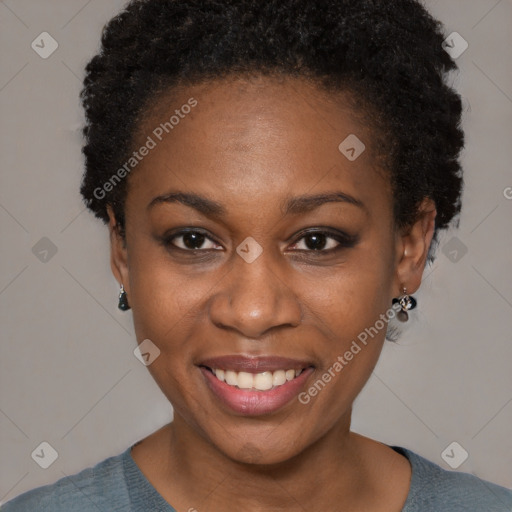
<point>249,139</point>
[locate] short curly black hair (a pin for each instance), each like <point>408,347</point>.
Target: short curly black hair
<point>389,55</point>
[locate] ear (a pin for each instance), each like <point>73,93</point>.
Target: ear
<point>118,252</point>
<point>412,246</point>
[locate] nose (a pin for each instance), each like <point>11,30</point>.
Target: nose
<point>254,298</point>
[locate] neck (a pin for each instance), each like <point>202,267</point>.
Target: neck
<point>216,481</point>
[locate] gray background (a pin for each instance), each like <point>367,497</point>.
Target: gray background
<point>69,376</point>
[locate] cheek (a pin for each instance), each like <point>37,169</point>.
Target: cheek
<point>349,309</point>
<point>163,295</point>
<point>166,304</point>
<point>351,297</point>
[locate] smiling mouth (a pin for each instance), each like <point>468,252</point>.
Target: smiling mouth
<point>263,381</point>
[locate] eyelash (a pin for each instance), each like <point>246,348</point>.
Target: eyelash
<point>344,240</point>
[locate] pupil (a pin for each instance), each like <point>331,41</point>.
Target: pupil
<point>315,242</point>
<point>193,240</point>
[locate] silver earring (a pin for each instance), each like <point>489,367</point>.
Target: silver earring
<point>123,300</point>
<point>407,303</point>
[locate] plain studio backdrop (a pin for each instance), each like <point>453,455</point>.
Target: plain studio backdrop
<point>69,376</point>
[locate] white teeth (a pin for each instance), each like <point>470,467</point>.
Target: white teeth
<point>279,378</point>
<point>245,380</point>
<point>231,378</point>
<point>263,381</point>
<point>259,381</point>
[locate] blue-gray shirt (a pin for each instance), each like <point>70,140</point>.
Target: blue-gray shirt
<point>117,484</point>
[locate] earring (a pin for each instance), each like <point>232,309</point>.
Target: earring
<point>123,300</point>
<point>407,302</point>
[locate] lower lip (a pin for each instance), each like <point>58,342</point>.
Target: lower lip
<point>254,403</point>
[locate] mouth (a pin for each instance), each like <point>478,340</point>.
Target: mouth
<point>255,385</point>
<point>263,381</point>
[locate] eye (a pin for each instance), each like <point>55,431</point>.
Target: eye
<point>319,241</point>
<point>324,241</point>
<point>191,240</point>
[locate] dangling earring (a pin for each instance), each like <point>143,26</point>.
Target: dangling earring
<point>123,300</point>
<point>407,302</point>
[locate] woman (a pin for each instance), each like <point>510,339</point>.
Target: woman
<point>274,176</point>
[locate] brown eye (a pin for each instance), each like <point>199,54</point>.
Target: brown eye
<point>316,241</point>
<point>323,241</point>
<point>191,241</point>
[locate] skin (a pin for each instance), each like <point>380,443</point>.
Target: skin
<point>252,145</point>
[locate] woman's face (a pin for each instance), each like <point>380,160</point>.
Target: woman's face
<point>290,251</point>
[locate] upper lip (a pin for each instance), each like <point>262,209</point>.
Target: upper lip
<point>254,364</point>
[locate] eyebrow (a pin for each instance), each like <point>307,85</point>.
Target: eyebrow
<point>199,203</point>
<point>304,204</point>
<point>294,206</point>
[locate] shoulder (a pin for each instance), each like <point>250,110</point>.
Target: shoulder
<point>434,488</point>
<point>102,487</point>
